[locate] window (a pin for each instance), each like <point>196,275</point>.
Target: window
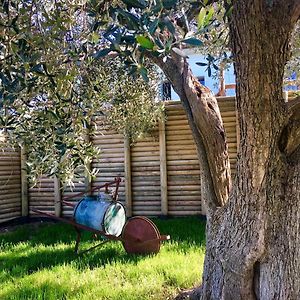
<point>166,89</point>
<point>201,79</point>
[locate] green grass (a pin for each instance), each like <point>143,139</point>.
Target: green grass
<point>39,263</point>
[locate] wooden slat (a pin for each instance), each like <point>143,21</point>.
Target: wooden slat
<point>128,174</point>
<point>24,184</point>
<point>164,177</point>
<point>10,184</point>
<point>185,213</point>
<point>7,198</point>
<point>146,174</point>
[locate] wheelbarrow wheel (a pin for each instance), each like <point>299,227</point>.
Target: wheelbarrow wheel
<point>140,236</point>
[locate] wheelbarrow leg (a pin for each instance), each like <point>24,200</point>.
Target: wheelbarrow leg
<point>78,238</point>
<point>94,247</point>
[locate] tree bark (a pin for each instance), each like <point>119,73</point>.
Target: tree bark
<point>208,131</point>
<point>251,247</point>
<point>253,240</point>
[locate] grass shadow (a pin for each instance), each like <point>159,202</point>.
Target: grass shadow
<point>36,248</point>
<point>27,251</point>
<point>34,259</point>
<point>41,291</point>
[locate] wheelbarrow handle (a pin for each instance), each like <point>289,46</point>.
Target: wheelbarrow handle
<point>165,237</point>
<point>161,238</point>
<point>138,240</point>
<point>77,225</point>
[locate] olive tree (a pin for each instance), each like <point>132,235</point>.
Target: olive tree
<point>51,88</point>
<point>253,219</point>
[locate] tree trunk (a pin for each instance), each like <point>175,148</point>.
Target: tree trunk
<point>252,246</point>
<point>252,229</point>
<point>253,240</point>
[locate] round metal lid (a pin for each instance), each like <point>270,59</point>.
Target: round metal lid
<point>141,236</point>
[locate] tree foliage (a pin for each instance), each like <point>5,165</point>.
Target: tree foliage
<point>56,74</point>
<point>131,105</point>
<point>51,86</point>
<point>55,70</point>
<point>293,66</point>
<point>134,29</point>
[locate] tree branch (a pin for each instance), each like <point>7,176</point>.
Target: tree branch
<point>207,127</point>
<point>293,104</point>
<point>174,75</point>
<point>207,118</point>
<point>194,10</point>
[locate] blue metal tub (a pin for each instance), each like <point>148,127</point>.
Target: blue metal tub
<point>101,213</point>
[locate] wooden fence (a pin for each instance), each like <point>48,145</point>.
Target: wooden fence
<point>161,171</point>
<point>10,184</point>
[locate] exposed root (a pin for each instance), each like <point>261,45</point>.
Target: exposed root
<point>192,294</point>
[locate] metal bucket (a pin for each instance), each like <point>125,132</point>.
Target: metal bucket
<point>101,213</point>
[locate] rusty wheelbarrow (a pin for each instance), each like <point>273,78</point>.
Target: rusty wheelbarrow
<point>104,216</point>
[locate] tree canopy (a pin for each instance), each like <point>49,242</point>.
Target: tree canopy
<point>52,85</point>
<point>53,80</point>
<point>56,73</point>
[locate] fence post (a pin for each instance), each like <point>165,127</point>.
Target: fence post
<point>163,168</point>
<point>222,86</point>
<point>127,167</point>
<point>87,176</point>
<point>286,96</point>
<point>24,184</point>
<point>57,197</point>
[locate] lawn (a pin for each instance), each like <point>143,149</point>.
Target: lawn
<point>39,263</point>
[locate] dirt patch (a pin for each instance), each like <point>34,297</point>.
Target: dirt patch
<point>33,223</point>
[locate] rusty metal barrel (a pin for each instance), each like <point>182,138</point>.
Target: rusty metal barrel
<point>101,213</point>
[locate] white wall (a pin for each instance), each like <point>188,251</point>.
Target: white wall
<point>210,82</point>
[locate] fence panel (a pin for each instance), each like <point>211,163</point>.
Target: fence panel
<point>10,184</point>
<point>145,176</point>
<point>162,170</point>
<point>229,116</point>
<point>183,170</point>
<point>42,195</point>
<point>111,162</point>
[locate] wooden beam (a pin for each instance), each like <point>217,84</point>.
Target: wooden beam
<point>57,197</point>
<point>230,86</point>
<point>24,184</point>
<point>286,96</point>
<point>222,89</point>
<point>163,168</point>
<point>127,167</point>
